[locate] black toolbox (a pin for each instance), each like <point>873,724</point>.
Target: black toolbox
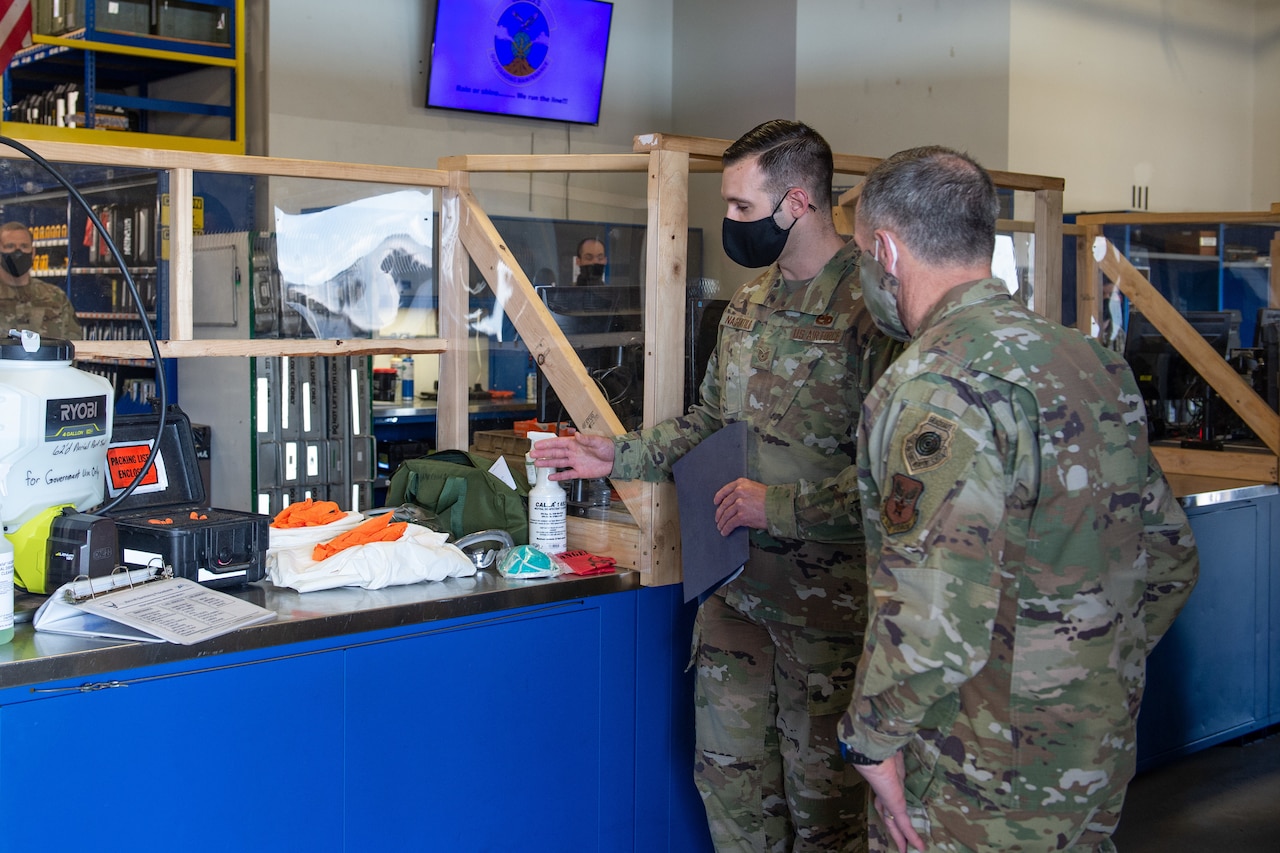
<point>166,520</point>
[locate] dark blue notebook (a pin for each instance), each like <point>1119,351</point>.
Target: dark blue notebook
<point>710,559</point>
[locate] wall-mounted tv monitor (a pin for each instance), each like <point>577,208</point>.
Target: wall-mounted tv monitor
<point>533,58</point>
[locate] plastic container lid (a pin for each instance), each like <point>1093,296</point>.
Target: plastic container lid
<point>29,346</point>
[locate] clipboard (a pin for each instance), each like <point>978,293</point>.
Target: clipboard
<point>145,605</point>
<point>709,559</point>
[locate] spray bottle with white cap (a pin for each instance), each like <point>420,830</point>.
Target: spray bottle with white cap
<point>547,505</point>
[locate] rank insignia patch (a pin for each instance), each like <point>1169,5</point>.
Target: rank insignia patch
<point>901,506</point>
<point>929,444</point>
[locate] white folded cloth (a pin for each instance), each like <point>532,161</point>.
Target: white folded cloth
<point>420,554</point>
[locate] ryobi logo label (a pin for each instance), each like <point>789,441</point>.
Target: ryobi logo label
<point>72,418</point>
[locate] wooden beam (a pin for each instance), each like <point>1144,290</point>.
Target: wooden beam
<point>161,159</point>
<point>1146,218</point>
<point>260,348</point>
<point>666,254</point>
<point>1047,266</point>
<point>845,164</point>
<point>558,163</point>
<point>452,431</point>
<point>581,396</point>
<point>181,245</point>
<point>1273,277</point>
<point>1251,408</point>
<point>1088,313</point>
<point>1230,465</point>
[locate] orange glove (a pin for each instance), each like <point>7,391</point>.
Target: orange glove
<point>308,513</point>
<point>376,529</point>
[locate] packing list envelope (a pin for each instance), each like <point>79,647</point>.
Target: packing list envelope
<point>709,558</point>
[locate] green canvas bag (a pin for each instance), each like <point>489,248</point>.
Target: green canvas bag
<point>457,487</point>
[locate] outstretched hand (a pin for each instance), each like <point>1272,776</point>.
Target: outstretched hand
<point>580,457</point>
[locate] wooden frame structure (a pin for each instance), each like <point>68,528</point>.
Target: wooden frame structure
<point>652,544</point>
<point>1099,255</point>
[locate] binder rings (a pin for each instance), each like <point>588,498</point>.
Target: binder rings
<point>145,606</point>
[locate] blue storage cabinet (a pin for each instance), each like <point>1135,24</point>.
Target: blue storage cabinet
<point>1210,678</point>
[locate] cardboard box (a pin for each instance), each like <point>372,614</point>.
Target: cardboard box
<point>1192,242</point>
<point>177,19</point>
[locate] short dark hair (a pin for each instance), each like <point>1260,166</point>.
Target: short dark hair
<point>791,154</point>
<point>577,253</point>
<point>941,201</point>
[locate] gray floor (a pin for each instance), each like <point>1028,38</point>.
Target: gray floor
<point>1225,799</point>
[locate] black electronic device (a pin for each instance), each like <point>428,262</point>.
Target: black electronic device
<point>165,520</point>
<point>1180,404</point>
<point>604,325</point>
<point>80,545</point>
<point>702,335</point>
<point>1267,341</point>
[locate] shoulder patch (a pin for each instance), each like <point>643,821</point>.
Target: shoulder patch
<point>902,505</point>
<point>928,446</point>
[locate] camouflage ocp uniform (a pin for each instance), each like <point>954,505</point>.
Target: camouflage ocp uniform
<point>40,307</point>
<point>775,649</point>
<point>1026,555</point>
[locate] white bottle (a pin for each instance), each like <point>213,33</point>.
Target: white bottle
<point>546,507</point>
<point>6,589</point>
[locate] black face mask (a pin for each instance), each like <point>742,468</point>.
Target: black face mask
<point>591,272</point>
<point>16,263</point>
<point>755,244</point>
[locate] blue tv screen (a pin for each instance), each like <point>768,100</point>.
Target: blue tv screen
<point>534,58</point>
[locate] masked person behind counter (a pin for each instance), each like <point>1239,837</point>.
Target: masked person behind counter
<point>27,303</point>
<point>591,261</point>
<point>1025,550</point>
<point>775,649</point>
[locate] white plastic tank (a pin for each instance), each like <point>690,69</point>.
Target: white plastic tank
<point>55,423</point>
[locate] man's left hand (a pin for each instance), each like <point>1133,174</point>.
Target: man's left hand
<point>886,781</point>
<point>740,504</point>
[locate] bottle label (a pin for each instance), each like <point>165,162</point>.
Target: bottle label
<point>547,526</point>
<point>6,591</point>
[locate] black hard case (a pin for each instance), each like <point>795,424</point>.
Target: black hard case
<point>219,547</point>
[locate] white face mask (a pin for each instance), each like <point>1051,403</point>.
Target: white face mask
<point>880,293</point>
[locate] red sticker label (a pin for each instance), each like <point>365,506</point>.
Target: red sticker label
<point>124,461</point>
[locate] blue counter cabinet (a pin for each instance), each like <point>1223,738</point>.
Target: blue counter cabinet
<point>564,726</point>
<point>243,758</point>
<point>515,734</point>
<point>1212,677</point>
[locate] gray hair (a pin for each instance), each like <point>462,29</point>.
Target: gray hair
<point>941,202</point>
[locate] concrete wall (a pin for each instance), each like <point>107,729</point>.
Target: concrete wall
<point>877,77</point>
<point>1266,107</point>
<point>1157,93</point>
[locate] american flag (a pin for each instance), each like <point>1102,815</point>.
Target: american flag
<point>15,28</point>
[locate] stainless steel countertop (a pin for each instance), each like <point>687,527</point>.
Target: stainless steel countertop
<point>1194,491</point>
<point>36,657</point>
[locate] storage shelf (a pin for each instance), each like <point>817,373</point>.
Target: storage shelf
<point>110,70</point>
<point>112,270</point>
<point>1173,256</point>
<point>111,315</point>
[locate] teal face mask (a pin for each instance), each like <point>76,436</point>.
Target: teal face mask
<point>880,293</point>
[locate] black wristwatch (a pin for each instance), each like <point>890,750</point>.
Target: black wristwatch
<point>852,756</point>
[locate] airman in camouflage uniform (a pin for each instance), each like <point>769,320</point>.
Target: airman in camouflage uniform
<point>1025,550</point>
<point>775,648</point>
<point>27,303</point>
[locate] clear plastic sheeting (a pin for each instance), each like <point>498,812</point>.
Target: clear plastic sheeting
<point>347,269</point>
